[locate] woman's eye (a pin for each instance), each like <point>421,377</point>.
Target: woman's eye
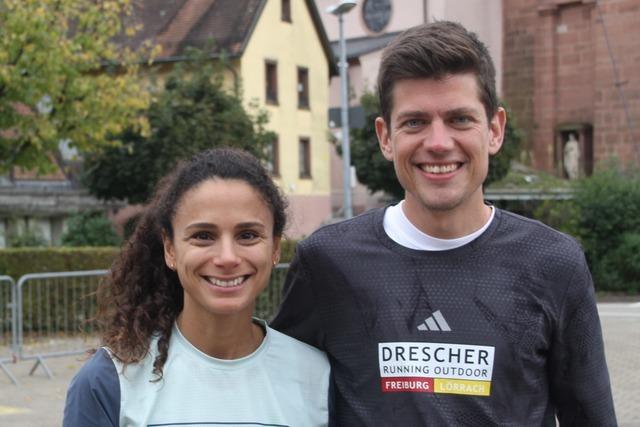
<point>248,235</point>
<point>202,235</point>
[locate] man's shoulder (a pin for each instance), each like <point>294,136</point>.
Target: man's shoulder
<point>342,230</point>
<point>538,239</point>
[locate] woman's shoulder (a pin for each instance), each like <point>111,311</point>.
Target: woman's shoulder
<point>98,370</point>
<point>94,392</point>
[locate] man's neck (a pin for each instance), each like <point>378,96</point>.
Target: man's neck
<point>447,224</point>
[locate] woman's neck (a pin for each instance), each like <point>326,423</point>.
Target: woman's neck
<point>222,337</point>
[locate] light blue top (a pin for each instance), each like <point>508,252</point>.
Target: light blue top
<point>282,383</point>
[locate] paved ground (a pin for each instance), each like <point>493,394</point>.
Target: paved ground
<point>38,401</point>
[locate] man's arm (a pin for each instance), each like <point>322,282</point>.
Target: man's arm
<point>579,377</point>
<point>93,398</point>
<point>298,314</point>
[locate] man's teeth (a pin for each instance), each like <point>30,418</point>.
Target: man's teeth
<point>440,168</point>
<point>226,283</point>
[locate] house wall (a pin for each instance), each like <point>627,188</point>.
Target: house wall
<point>559,74</point>
<point>292,45</point>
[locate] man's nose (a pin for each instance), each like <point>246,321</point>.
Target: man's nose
<point>438,138</point>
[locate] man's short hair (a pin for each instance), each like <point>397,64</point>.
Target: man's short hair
<point>434,51</point>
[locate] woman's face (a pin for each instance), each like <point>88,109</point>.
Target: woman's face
<point>223,248</point>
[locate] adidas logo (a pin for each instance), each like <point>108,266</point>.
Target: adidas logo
<point>435,322</point>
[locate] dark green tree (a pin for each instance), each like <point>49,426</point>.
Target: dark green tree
<point>374,171</point>
<point>90,229</point>
<point>193,113</point>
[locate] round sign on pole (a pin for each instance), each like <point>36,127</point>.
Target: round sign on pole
<point>376,14</point>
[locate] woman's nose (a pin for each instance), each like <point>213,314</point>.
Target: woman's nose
<point>226,254</point>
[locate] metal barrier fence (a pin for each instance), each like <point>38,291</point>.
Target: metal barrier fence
<point>53,314</point>
<point>8,324</point>
<point>269,300</point>
<point>50,314</point>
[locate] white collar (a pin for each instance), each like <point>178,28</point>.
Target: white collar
<point>402,231</point>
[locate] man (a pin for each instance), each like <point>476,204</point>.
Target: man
<point>443,310</point>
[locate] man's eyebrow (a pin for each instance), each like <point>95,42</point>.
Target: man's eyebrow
<point>410,113</point>
<point>462,111</point>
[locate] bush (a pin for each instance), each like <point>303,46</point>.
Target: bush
<point>608,204</point>
<point>620,268</point>
<point>563,215</point>
<point>90,229</point>
<point>29,238</point>
<point>604,215</point>
<point>20,261</point>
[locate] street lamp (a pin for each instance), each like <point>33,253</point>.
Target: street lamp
<point>340,9</point>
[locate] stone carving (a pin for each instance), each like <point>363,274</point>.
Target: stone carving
<point>571,158</point>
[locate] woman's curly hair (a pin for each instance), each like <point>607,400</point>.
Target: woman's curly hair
<point>141,297</point>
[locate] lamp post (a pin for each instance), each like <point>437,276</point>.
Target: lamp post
<point>339,10</point>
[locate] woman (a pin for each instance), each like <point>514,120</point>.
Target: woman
<point>180,346</point>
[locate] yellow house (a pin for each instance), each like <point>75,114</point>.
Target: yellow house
<point>280,59</point>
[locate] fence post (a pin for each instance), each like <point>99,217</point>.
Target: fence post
<point>12,305</point>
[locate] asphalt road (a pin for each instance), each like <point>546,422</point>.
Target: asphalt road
<point>38,401</point>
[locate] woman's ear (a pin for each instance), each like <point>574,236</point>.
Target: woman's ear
<point>169,252</point>
<point>276,250</point>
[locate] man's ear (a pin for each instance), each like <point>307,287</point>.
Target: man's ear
<point>169,252</point>
<point>382,131</point>
<point>496,130</point>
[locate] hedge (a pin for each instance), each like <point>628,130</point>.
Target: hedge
<point>16,262</point>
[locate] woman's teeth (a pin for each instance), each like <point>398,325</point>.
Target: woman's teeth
<point>226,283</point>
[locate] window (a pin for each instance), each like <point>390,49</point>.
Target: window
<point>271,71</point>
<point>304,153</point>
<point>273,157</point>
<point>303,87</point>
<point>286,10</point>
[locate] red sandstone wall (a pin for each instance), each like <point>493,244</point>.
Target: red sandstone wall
<point>558,71</point>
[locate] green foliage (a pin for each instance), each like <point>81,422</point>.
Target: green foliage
<point>563,215</point>
<point>54,84</point>
<point>192,114</point>
<point>604,216</point>
<point>619,270</point>
<point>20,261</point>
<point>287,250</point>
<point>90,229</point>
<point>29,238</point>
<point>500,163</point>
<point>372,169</point>
<point>609,221</point>
<point>378,174</point>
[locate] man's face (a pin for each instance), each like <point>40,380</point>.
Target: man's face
<point>439,141</point>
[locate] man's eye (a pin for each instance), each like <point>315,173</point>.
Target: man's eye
<point>413,123</point>
<point>461,120</point>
